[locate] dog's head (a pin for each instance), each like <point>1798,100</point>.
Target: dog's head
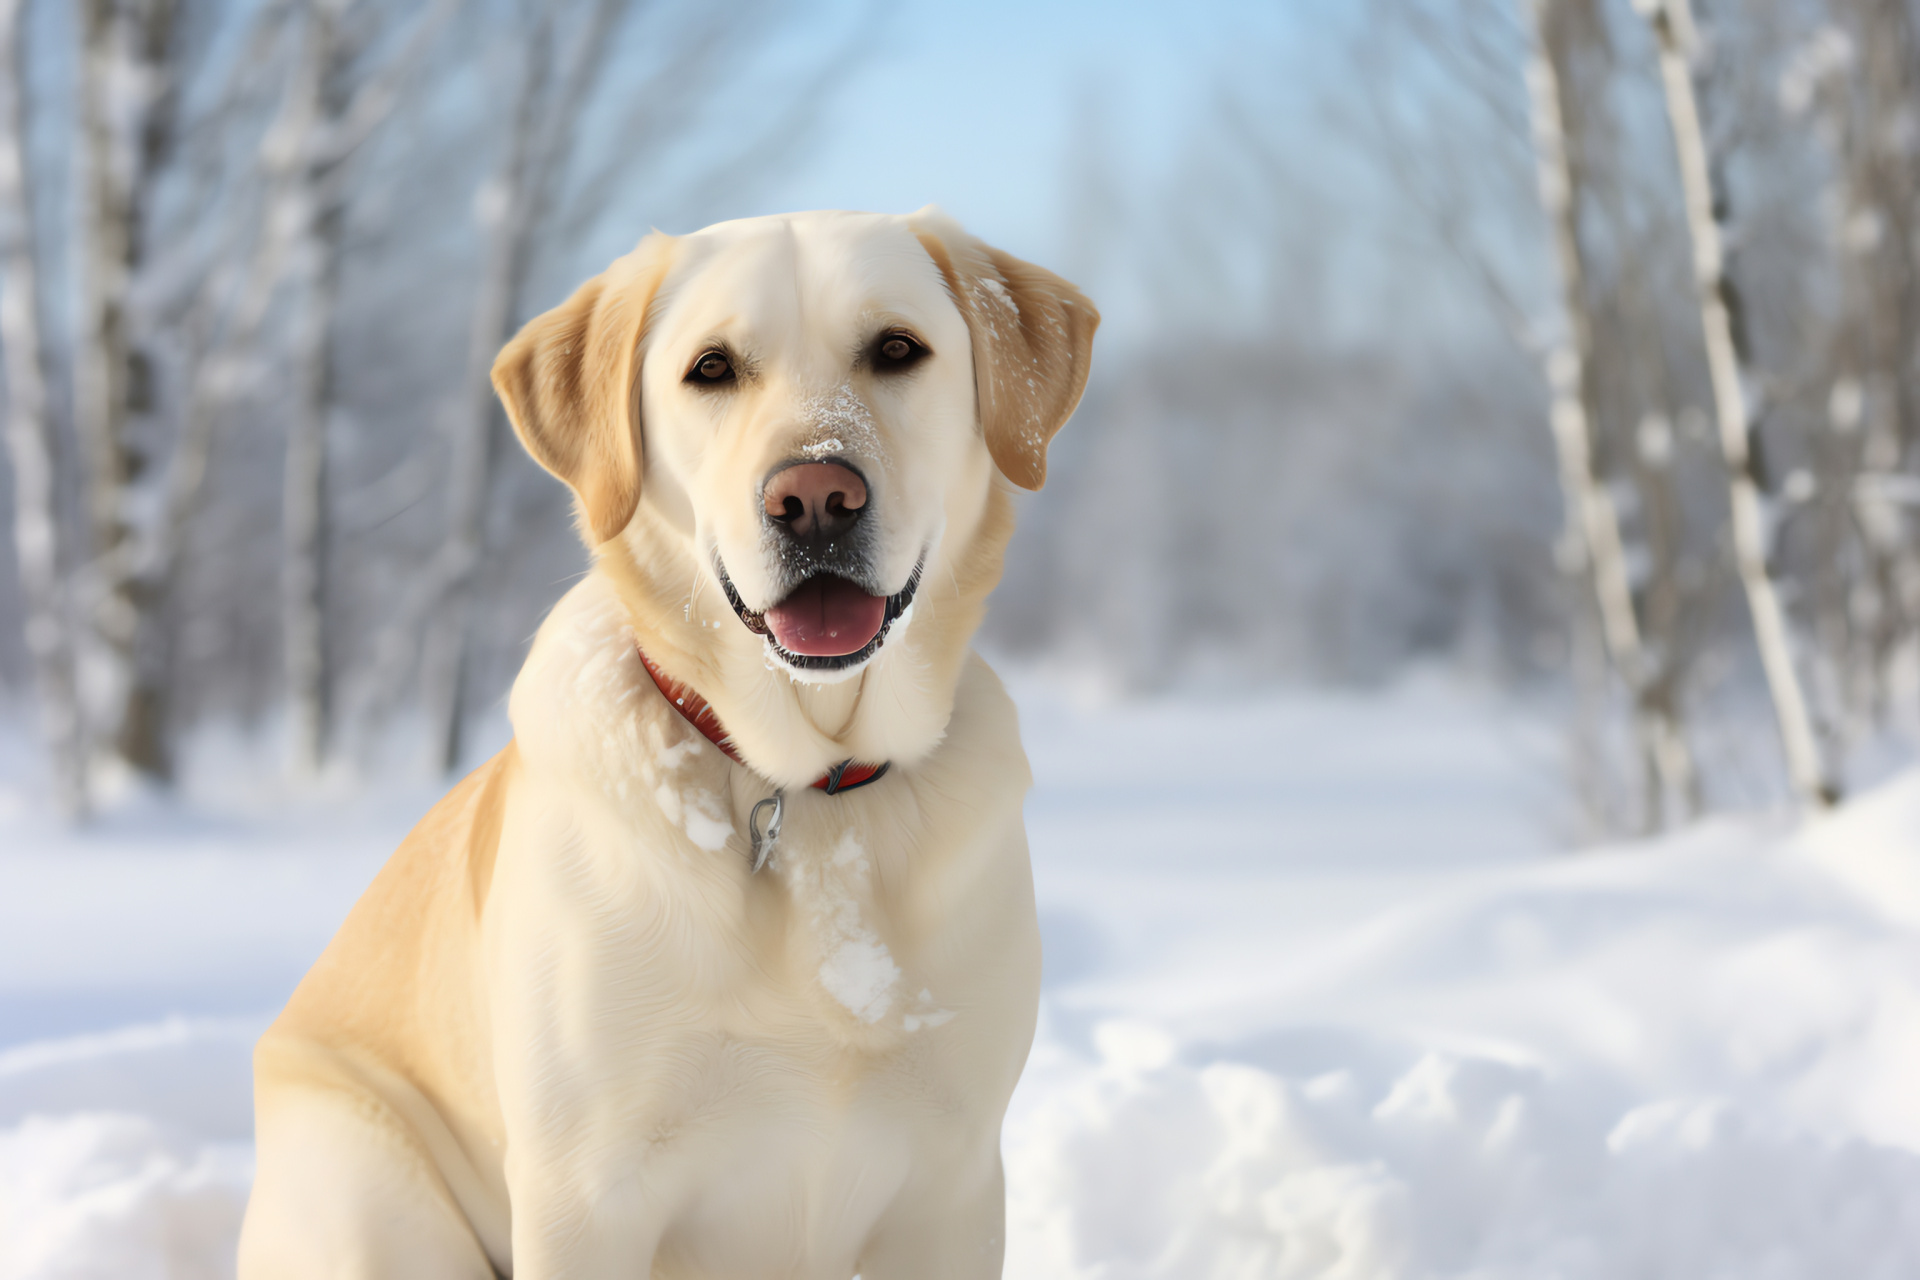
<point>810,408</point>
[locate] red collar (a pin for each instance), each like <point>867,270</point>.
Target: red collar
<point>844,776</point>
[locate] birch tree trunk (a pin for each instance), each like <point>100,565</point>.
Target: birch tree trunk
<point>212,372</point>
<point>124,92</point>
<point>1593,523</point>
<point>30,431</point>
<point>1674,33</point>
<point>303,569</point>
<point>311,206</point>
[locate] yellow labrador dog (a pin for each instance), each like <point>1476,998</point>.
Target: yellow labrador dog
<point>727,965</point>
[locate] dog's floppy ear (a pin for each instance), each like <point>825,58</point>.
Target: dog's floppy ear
<point>1032,343</point>
<point>570,381</point>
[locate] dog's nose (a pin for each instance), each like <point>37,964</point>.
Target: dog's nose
<point>815,498</point>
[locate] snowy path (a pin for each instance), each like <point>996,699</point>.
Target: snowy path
<point>1318,1004</point>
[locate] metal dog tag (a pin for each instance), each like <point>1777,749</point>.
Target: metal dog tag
<point>763,841</point>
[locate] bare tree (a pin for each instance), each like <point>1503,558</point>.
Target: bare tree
<point>1854,80</point>
<point>1593,522</point>
<point>1583,352</point>
<point>1878,235</point>
<point>324,122</point>
<point>1727,362</point>
<point>30,438</point>
<point>315,101</point>
<point>231,283</point>
<point>127,101</point>
<point>284,214</point>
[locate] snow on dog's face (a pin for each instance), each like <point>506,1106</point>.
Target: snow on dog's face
<point>814,402</point>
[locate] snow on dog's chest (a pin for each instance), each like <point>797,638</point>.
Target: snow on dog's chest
<point>831,891</point>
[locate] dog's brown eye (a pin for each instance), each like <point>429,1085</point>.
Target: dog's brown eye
<point>897,351</point>
<point>711,368</point>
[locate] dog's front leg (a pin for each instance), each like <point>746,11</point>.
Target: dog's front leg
<point>571,958</point>
<point>953,1230</point>
<point>581,1202</point>
<point>565,1228</point>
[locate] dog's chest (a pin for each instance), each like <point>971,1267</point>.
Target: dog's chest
<point>771,1056</point>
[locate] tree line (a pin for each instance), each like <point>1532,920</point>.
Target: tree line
<point>1725,335</point>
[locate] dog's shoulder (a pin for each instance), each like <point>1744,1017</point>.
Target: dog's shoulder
<point>397,963</point>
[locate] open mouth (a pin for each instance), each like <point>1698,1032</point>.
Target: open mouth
<point>827,623</point>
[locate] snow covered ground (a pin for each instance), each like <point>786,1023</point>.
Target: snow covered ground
<point>1321,1001</point>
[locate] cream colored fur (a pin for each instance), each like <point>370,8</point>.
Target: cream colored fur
<point>567,1031</point>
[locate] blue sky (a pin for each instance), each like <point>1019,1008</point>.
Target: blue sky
<point>972,105</point>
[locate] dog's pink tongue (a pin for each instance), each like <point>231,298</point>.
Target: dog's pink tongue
<point>827,617</point>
